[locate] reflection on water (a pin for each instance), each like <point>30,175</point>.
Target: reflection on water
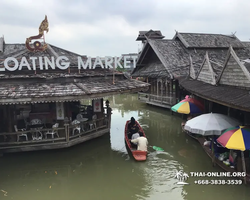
<point>102,168</point>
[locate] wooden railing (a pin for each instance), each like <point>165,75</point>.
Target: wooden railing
<point>64,132</point>
<point>86,129</point>
<point>165,100</point>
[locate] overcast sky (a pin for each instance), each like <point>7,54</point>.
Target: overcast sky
<point>110,27</point>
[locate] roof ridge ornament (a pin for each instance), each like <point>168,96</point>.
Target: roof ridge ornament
<point>37,46</point>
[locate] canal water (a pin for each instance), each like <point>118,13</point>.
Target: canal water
<point>101,169</point>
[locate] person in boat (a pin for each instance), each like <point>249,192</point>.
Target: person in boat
<point>142,143</point>
<point>134,136</point>
<point>132,127</point>
<point>238,161</point>
<point>184,122</point>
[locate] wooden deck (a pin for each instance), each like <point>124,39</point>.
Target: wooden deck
<point>66,138</point>
<point>165,101</point>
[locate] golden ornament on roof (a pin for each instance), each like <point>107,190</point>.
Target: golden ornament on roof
<point>38,46</point>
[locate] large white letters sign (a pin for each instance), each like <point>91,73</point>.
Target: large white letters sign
<point>63,63</point>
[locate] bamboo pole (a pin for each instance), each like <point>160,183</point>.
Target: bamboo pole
<point>244,166</point>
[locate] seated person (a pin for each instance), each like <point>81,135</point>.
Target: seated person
<point>189,117</point>
<point>182,125</point>
<point>132,127</point>
<point>142,143</point>
<point>184,122</point>
<point>232,157</point>
<point>135,135</point>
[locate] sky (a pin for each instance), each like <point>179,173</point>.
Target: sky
<point>110,27</point>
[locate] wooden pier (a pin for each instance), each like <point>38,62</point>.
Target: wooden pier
<point>166,101</point>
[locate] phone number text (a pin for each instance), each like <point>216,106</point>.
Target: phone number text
<point>218,182</point>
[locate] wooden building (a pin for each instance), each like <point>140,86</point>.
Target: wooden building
<point>162,62</point>
<point>41,89</point>
<point>223,84</point>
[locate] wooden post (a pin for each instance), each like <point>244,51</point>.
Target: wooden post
<point>66,128</point>
<point>109,112</point>
<point>213,154</point>
<point>210,105</point>
<point>5,114</point>
<point>171,86</point>
<point>245,118</point>
<point>100,115</point>
<point>9,118</point>
<point>161,90</point>
<point>244,166</point>
<point>228,111</point>
<point>177,92</point>
<point>157,89</point>
<point>168,88</point>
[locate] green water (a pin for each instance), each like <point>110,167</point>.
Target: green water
<point>102,169</point>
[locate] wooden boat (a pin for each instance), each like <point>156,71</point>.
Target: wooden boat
<point>194,136</point>
<point>219,162</point>
<point>138,155</point>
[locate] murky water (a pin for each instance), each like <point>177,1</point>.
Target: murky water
<point>101,169</point>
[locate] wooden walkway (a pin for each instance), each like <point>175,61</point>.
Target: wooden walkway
<point>166,101</point>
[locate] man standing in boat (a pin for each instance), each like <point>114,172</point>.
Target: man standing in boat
<point>142,143</point>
